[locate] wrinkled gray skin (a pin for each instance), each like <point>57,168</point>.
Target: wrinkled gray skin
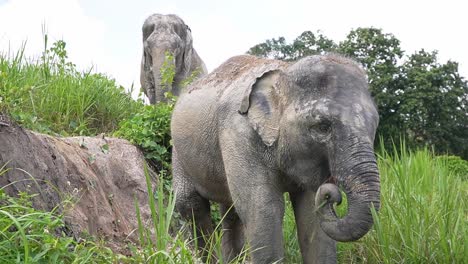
<point>161,34</point>
<point>255,129</point>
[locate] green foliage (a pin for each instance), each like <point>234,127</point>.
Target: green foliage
<point>193,76</point>
<point>159,245</point>
<point>291,242</point>
<point>424,208</point>
<point>150,130</point>
<point>433,104</point>
<point>304,45</point>
<point>28,235</point>
<point>418,98</point>
<point>455,165</point>
<point>50,96</point>
<point>167,70</point>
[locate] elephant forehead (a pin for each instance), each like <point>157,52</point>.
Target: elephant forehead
<point>315,106</point>
<point>357,112</point>
<point>360,116</point>
<point>165,24</point>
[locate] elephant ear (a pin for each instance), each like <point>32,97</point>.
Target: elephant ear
<point>188,48</point>
<point>261,104</point>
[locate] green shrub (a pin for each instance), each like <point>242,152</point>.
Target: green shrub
<point>456,165</point>
<point>150,130</point>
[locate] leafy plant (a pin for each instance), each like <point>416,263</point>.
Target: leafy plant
<point>167,69</point>
<point>150,130</point>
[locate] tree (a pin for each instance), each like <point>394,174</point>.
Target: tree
<point>433,104</point>
<point>304,45</point>
<point>418,98</point>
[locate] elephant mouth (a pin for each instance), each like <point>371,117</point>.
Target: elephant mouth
<point>331,179</point>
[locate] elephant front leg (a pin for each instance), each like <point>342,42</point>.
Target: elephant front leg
<point>316,246</point>
<point>261,210</point>
<point>258,199</point>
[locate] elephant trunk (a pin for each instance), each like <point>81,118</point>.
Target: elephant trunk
<point>162,75</point>
<point>358,175</point>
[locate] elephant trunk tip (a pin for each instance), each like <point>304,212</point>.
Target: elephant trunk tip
<point>354,225</point>
<point>327,193</point>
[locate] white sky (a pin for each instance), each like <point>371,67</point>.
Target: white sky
<point>106,34</point>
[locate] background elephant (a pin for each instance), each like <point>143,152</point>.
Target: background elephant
<point>161,34</point>
<point>254,129</point>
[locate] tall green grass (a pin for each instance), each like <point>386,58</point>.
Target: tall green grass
<point>422,220</point>
<point>423,217</point>
<point>49,95</point>
<point>162,240</point>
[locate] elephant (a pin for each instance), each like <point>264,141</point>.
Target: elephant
<point>162,34</point>
<point>255,129</point>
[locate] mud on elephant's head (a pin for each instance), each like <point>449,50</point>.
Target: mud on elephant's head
<point>163,34</point>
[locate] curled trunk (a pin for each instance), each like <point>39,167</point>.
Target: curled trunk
<point>359,178</point>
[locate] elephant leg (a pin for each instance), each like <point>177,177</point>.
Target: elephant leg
<point>193,207</point>
<point>316,246</point>
<point>257,197</point>
<point>233,233</point>
<point>262,212</point>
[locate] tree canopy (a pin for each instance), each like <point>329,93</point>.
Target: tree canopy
<point>418,97</point>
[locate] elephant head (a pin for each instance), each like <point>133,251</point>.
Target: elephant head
<point>319,116</point>
<point>167,34</point>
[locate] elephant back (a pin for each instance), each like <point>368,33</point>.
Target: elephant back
<point>238,71</point>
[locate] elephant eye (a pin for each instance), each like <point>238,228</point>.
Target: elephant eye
<point>324,126</point>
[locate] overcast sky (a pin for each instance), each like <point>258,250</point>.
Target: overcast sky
<point>106,34</point>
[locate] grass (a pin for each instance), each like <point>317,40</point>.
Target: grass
<point>49,95</point>
<point>422,220</point>
<point>163,241</point>
<point>33,236</point>
<point>28,235</point>
<point>424,212</point>
<point>423,217</point>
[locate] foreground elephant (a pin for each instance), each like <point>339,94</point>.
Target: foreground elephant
<point>255,129</point>
<point>161,34</point>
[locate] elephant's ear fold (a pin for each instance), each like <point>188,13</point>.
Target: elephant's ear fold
<point>261,104</point>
